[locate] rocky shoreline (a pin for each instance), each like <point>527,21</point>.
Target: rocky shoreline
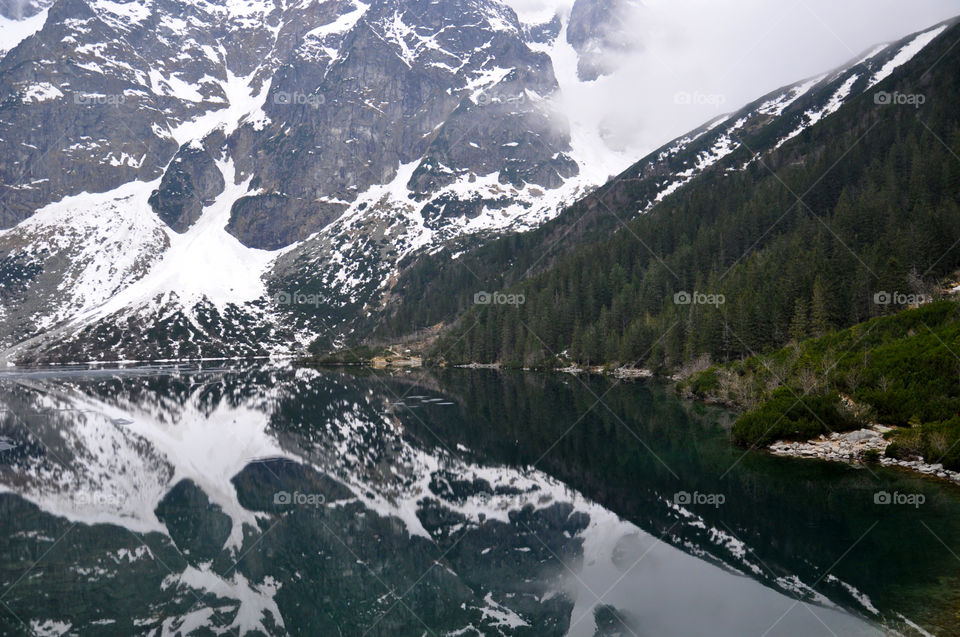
<point>619,372</point>
<point>853,447</point>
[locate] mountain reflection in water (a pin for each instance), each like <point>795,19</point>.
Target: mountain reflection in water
<point>266,500</point>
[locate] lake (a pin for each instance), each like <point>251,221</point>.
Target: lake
<point>268,500</point>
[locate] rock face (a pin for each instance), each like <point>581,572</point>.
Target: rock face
<point>322,101</point>
<point>407,84</point>
<point>191,181</point>
<point>601,31</point>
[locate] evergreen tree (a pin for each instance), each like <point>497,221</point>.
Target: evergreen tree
<point>799,324</point>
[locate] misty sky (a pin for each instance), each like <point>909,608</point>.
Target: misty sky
<point>728,51</point>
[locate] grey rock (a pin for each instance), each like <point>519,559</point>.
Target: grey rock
<point>272,221</point>
<point>191,181</point>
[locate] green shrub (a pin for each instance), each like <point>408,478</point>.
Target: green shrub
<point>936,442</point>
<point>905,445</point>
<point>705,383</point>
<point>785,417</point>
<point>940,443</point>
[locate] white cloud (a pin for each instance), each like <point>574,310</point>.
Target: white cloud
<point>726,53</point>
<point>539,11</point>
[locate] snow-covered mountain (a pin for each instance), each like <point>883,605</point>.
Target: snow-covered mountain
<point>183,178</point>
<point>176,168</point>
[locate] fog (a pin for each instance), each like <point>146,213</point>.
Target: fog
<point>693,60</point>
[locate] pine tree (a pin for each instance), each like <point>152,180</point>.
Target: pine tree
<point>799,324</point>
<point>820,322</point>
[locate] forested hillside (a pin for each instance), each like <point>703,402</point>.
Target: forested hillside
<point>900,370</point>
<point>855,217</point>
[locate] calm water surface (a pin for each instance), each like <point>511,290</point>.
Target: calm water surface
<point>271,501</point>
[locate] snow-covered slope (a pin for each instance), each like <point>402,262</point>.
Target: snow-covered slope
<point>13,32</point>
<point>780,116</point>
<point>19,19</point>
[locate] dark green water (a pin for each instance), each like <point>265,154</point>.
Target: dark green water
<point>275,501</point>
